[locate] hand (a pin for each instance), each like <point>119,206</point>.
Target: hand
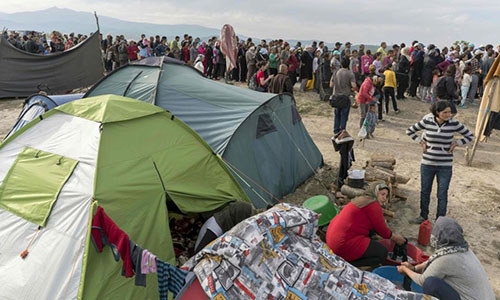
<point>407,264</point>
<point>424,146</point>
<point>398,238</point>
<point>403,269</point>
<point>452,147</point>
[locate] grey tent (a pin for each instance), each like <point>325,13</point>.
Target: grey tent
<point>259,135</point>
<point>21,72</point>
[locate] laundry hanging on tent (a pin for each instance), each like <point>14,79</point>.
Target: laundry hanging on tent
<point>148,262</point>
<point>136,260</point>
<point>106,232</point>
<point>170,279</point>
<point>137,254</point>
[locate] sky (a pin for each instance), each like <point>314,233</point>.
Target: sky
<point>357,21</point>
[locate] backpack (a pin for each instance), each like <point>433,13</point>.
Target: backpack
<point>252,83</point>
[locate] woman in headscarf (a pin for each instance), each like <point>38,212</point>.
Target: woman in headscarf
<point>202,49</point>
<point>402,74</point>
<point>251,62</point>
<point>198,63</point>
<point>349,233</point>
<point>453,271</point>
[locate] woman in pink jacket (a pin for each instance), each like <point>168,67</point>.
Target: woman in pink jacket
<point>364,97</point>
<point>366,61</point>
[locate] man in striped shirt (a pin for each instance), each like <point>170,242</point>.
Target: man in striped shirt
<point>437,143</point>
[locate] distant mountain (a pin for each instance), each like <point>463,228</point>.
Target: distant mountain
<point>67,21</point>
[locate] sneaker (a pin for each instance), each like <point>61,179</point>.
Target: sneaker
<point>418,220</point>
<point>462,106</point>
<point>397,111</point>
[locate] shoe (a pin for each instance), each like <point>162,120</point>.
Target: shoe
<point>418,220</point>
<point>381,120</point>
<point>462,106</point>
<point>397,111</point>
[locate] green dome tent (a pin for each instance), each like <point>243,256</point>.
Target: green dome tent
<point>128,157</point>
<point>259,135</point>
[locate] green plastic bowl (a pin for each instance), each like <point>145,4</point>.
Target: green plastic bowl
<point>322,206</point>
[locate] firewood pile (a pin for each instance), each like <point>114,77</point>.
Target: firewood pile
<point>379,168</point>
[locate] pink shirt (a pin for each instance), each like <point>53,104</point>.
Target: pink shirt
<point>366,61</point>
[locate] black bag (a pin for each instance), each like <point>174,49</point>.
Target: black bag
<point>340,101</point>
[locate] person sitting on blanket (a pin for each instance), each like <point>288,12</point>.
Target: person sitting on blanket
<point>349,233</point>
<point>221,220</point>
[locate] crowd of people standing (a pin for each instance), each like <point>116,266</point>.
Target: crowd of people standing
<point>42,43</point>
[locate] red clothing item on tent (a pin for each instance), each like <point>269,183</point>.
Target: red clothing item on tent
<point>348,233</point>
<point>104,227</point>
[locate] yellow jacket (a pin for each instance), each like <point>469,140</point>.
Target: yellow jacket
<point>390,78</point>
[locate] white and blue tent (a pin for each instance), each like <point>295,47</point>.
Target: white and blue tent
<point>37,104</point>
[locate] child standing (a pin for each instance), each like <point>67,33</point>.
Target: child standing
<point>371,119</point>
<point>466,82</point>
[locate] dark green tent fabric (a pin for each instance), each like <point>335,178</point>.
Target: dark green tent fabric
<point>259,135</point>
<point>21,72</point>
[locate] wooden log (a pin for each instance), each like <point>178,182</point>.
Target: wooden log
<point>383,157</point>
<point>389,213</point>
<point>375,174</point>
<point>352,192</point>
<point>402,179</point>
<point>386,170</point>
<point>400,195</point>
<point>383,164</point>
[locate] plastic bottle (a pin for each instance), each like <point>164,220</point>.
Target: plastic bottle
<point>424,233</point>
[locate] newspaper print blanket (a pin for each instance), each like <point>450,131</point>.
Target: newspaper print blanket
<point>277,255</point>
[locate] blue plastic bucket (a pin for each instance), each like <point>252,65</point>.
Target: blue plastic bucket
<point>391,273</point>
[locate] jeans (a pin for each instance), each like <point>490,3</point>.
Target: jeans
<point>340,119</point>
<point>465,91</point>
<point>473,87</point>
<point>427,174</point>
<point>363,109</point>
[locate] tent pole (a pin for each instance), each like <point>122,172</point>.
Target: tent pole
<point>483,122</point>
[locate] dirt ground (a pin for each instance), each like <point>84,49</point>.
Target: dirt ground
<point>474,195</point>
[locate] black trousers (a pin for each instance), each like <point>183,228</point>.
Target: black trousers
<point>403,81</point>
<point>374,256</point>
